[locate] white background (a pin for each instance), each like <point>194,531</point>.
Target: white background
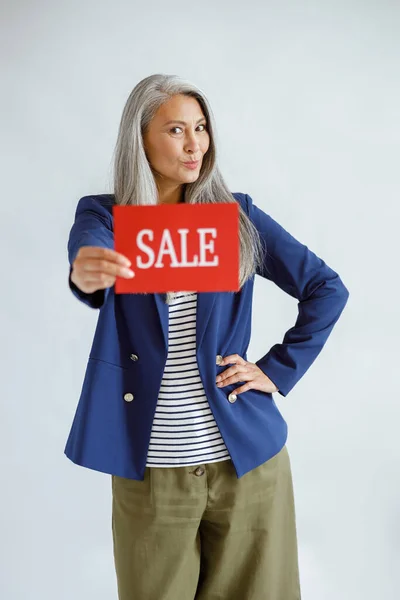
<point>306,99</point>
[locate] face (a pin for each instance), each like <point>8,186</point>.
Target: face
<point>177,134</point>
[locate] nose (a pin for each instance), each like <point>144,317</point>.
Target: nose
<point>192,144</point>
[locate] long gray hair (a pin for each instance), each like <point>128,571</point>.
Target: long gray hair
<point>133,180</point>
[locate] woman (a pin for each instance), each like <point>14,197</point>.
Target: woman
<point>170,406</point>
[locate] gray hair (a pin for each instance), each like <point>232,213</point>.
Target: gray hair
<point>133,180</point>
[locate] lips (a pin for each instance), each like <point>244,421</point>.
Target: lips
<point>192,166</point>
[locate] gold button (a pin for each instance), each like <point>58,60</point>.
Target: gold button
<point>134,357</point>
<point>232,398</point>
<point>128,397</point>
<point>219,359</point>
<point>199,471</point>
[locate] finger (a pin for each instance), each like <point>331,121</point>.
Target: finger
<point>92,282</point>
<point>232,370</point>
<point>104,253</point>
<point>233,359</point>
<point>102,265</point>
<point>242,388</point>
<point>240,376</point>
<point>98,277</point>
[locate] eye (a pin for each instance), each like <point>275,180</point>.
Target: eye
<point>200,125</point>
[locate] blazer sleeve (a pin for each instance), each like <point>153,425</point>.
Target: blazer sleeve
<point>92,227</point>
<point>321,294</point>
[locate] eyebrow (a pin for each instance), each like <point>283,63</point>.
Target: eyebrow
<point>183,122</point>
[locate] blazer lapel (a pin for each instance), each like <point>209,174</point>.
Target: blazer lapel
<point>205,303</point>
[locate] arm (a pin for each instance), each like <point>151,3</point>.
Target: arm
<point>92,227</point>
<point>321,294</point>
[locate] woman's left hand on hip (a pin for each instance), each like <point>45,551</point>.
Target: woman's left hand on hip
<point>243,370</point>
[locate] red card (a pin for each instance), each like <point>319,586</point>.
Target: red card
<point>178,247</point>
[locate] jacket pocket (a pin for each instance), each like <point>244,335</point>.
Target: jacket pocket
<point>100,361</point>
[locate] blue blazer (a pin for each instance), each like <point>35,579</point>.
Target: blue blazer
<point>112,424</point>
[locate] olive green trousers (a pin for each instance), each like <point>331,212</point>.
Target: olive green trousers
<point>200,533</point>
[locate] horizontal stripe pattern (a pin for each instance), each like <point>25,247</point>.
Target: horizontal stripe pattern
<point>184,431</point>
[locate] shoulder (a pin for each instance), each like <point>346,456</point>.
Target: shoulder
<point>241,198</point>
<point>267,226</point>
<point>251,209</point>
<point>96,203</point>
<point>246,201</point>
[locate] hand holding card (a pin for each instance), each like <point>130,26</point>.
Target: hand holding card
<point>96,268</point>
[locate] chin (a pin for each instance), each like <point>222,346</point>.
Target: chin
<point>188,179</point>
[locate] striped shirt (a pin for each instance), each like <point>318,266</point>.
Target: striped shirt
<point>184,431</point>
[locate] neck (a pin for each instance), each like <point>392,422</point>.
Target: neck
<point>171,195</point>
